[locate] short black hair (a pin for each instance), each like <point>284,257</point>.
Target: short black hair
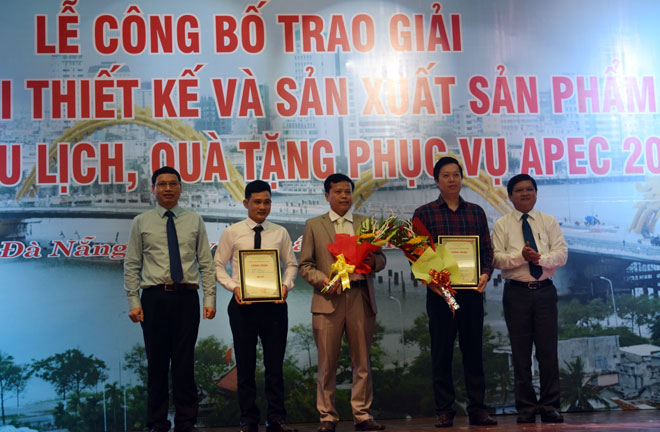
<point>446,160</point>
<point>164,170</point>
<point>337,178</point>
<point>256,186</point>
<point>513,181</point>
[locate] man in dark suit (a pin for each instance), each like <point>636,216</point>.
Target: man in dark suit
<point>337,312</point>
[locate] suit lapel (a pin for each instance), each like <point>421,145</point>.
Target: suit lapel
<point>357,221</point>
<point>329,226</point>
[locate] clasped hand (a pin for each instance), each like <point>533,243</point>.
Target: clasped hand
<point>530,254</point>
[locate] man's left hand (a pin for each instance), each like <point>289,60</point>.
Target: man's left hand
<point>370,260</point>
<point>209,312</point>
<point>483,280</point>
<point>285,294</point>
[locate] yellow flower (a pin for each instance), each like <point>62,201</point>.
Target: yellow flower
<point>417,239</point>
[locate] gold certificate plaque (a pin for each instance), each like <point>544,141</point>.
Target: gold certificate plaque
<point>260,275</point>
<point>465,250</point>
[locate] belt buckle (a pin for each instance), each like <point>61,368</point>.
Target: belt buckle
<point>169,287</point>
<point>534,285</point>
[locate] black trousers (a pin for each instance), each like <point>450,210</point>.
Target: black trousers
<point>268,322</point>
<point>171,322</point>
<point>531,318</point>
<point>443,328</point>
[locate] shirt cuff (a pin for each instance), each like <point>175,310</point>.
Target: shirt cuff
<point>230,288</point>
<point>134,302</point>
<point>209,301</point>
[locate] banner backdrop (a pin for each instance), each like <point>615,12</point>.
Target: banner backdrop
<point>96,95</point>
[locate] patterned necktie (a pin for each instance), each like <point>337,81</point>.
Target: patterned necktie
<point>535,270</point>
<point>257,236</point>
<point>173,248</point>
<point>340,225</point>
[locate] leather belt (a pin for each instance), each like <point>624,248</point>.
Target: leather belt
<point>530,285</point>
<point>176,287</point>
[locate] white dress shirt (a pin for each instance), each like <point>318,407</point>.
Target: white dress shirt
<point>508,243</point>
<point>241,236</point>
<point>348,221</point>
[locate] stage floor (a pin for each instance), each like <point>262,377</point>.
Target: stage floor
<point>628,421</point>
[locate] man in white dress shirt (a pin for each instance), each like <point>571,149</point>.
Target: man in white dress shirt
<point>249,321</point>
<point>529,246</point>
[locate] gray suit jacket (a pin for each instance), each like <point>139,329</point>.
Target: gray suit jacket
<point>316,259</point>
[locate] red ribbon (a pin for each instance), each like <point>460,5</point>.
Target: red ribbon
<point>442,279</point>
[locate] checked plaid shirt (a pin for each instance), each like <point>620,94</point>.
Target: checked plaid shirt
<point>468,219</point>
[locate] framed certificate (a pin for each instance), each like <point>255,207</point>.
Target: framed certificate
<point>465,250</point>
<point>259,271</point>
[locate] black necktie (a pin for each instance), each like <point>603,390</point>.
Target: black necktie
<point>173,248</point>
<point>257,236</point>
<point>535,270</point>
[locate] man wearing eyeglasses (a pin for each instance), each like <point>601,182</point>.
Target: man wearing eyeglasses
<point>168,256</point>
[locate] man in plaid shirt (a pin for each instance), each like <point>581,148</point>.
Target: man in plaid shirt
<point>451,215</point>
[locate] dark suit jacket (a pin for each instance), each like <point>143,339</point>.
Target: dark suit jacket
<point>316,259</point>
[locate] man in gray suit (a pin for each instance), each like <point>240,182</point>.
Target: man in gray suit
<point>337,312</point>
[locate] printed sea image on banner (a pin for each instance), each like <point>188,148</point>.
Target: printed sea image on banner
<point>94,96</point>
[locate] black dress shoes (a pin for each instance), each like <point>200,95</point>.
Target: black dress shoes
<point>327,426</point>
<point>552,416</point>
<point>369,425</point>
<point>526,417</point>
<point>249,427</point>
<point>482,418</point>
<point>279,427</point>
<point>182,429</point>
<point>444,420</point>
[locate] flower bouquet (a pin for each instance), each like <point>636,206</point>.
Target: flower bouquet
<point>430,263</point>
<point>350,251</point>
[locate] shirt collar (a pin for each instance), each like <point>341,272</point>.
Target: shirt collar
<point>162,210</point>
<point>442,202</point>
<point>347,216</point>
<point>252,224</point>
<point>533,214</point>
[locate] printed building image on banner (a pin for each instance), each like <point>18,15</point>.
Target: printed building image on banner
<point>95,96</point>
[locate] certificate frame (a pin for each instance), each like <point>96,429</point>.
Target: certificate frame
<point>260,277</point>
<point>466,252</point>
